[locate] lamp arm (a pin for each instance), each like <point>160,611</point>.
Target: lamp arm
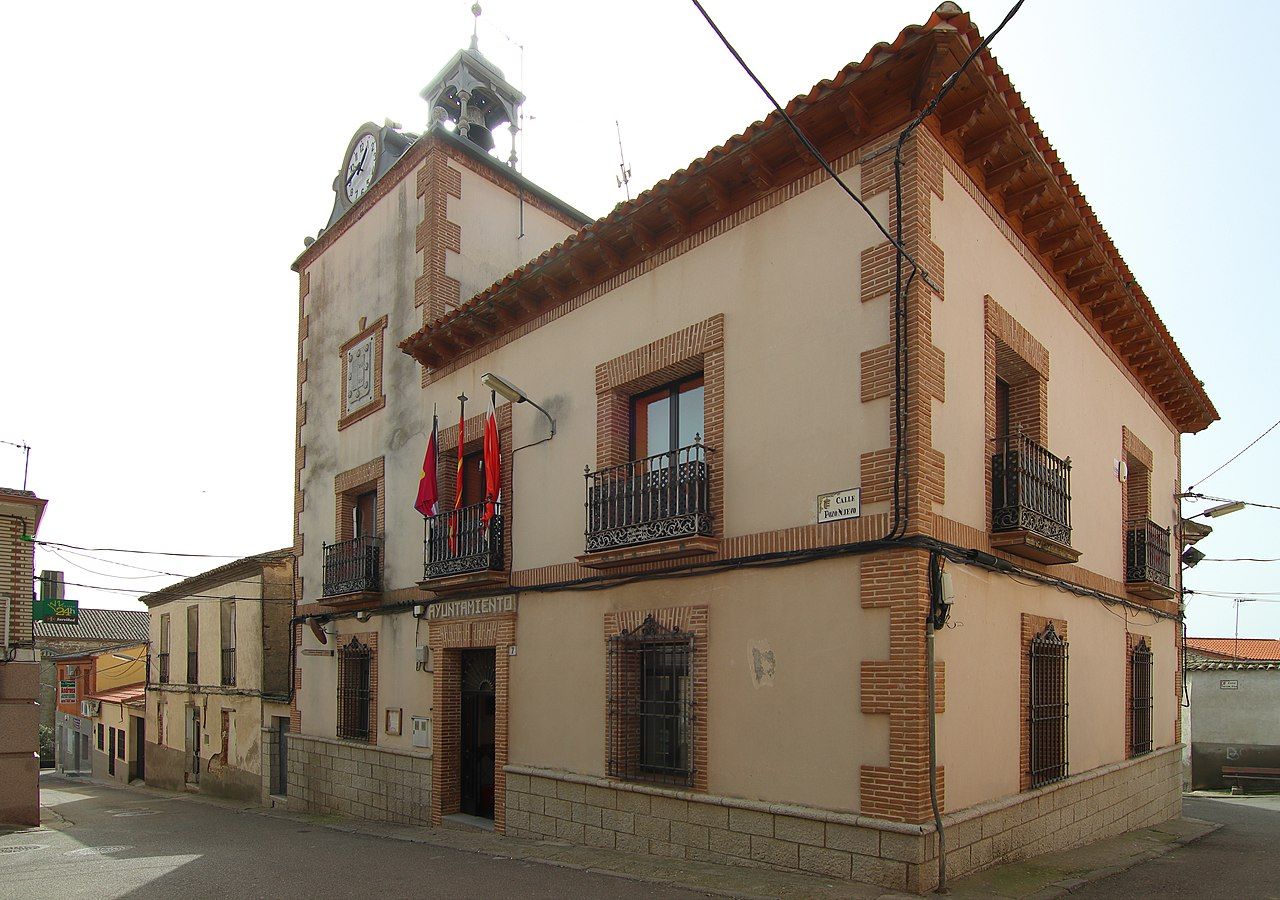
<point>550,418</point>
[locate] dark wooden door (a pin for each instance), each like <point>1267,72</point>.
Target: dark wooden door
<point>111,751</point>
<point>140,746</point>
<point>477,751</point>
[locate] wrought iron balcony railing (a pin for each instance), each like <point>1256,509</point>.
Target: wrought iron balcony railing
<point>653,499</point>
<point>1147,553</point>
<point>457,542</point>
<point>1030,489</point>
<point>163,659</point>
<point>353,566</point>
<point>229,665</point>
<point>193,667</point>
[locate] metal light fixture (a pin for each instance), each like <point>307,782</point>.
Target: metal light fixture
<point>1191,556</point>
<point>1224,509</point>
<point>510,392</point>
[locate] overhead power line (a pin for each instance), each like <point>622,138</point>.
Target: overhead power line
<point>41,543</point>
<point>1237,456</point>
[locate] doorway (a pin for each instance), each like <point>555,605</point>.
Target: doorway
<point>140,747</point>
<point>280,771</point>
<point>193,745</point>
<point>478,675</point>
<point>111,755</point>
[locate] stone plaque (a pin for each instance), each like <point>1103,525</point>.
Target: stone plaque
<point>360,374</point>
<point>480,606</point>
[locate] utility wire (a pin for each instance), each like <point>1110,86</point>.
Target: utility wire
<point>1237,456</point>
<point>178,596</point>
<point>1229,500</point>
<point>84,568</point>
<point>145,552</point>
<point>1241,559</point>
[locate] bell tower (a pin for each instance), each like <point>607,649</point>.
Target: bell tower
<point>473,94</point>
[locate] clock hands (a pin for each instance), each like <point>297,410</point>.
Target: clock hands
<point>359,166</point>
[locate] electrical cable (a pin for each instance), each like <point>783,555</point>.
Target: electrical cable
<point>177,596</point>
<point>42,543</point>
<point>1195,496</point>
<point>1237,456</point>
<point>84,568</point>
<point>1271,559</point>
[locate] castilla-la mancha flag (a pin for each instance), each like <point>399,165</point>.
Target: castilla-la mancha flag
<point>428,502</point>
<point>492,465</point>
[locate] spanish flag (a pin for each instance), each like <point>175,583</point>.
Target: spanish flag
<point>428,502</point>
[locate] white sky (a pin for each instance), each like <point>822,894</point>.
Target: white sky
<point>164,162</point>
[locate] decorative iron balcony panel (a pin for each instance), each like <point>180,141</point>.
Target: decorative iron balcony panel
<point>353,566</point>
<point>1030,489</point>
<point>658,498</point>
<point>457,542</point>
<point>1147,553</point>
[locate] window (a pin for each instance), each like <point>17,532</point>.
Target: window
<point>1002,407</point>
<point>650,704</point>
<point>1140,698</point>
<point>164,648</point>
<point>364,521</point>
<point>193,645</point>
<point>102,743</point>
<point>119,743</point>
<point>667,419</point>
<point>1048,707</point>
<point>354,691</point>
<point>227,610</point>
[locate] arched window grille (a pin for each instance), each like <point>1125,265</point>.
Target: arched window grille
<point>354,691</point>
<point>650,704</point>
<point>1048,712</point>
<point>1140,696</point>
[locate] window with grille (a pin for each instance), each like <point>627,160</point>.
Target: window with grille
<point>193,645</point>
<point>650,704</point>
<point>1048,707</point>
<point>354,696</point>
<point>164,648</point>
<point>1140,698</point>
<point>228,630</point>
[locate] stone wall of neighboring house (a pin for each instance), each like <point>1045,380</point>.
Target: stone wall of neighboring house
<point>1235,721</point>
<point>353,779</point>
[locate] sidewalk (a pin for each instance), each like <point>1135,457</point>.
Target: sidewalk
<point>1047,876</point>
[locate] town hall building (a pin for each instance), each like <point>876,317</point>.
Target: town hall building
<point>803,544</point>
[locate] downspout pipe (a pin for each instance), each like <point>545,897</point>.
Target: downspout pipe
<point>936,608</point>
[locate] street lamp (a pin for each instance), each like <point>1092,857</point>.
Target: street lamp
<point>1223,509</point>
<point>510,392</point>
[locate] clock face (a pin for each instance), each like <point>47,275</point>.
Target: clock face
<point>360,166</point>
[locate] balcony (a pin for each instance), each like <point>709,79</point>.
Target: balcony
<point>163,659</point>
<point>1146,571</point>
<point>229,666</point>
<point>460,552</point>
<point>1031,502</point>
<point>652,509</point>
<point>352,570</point>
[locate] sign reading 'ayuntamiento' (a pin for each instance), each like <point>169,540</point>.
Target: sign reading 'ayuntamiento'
<point>480,606</point>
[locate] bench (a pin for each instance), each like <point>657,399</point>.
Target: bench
<point>1239,774</point>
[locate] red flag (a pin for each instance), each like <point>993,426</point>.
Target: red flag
<point>457,484</point>
<point>428,502</point>
<point>492,465</point>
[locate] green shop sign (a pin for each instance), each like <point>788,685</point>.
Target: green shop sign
<point>56,612</point>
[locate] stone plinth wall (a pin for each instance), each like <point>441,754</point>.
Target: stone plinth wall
<point>681,824</point>
<point>353,779</point>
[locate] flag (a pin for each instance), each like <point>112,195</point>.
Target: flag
<point>457,484</point>
<point>492,465</point>
<point>428,502</point>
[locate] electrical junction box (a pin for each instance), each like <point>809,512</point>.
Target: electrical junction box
<point>421,731</point>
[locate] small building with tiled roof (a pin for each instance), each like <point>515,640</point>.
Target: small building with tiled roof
<point>1232,716</point>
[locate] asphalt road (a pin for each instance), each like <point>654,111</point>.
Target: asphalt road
<point>121,843</point>
<point>1239,860</point>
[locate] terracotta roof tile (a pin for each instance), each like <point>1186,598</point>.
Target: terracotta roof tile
<point>1245,648</point>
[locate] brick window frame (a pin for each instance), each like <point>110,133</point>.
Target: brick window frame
<point>376,330</point>
<point>1135,492</point>
<point>1032,626</point>
<point>1013,355</point>
<point>697,348</point>
<point>688,620</point>
<point>370,640</point>
<point>447,465</point>
<point>349,485</point>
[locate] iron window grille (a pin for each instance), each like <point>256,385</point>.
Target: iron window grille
<point>229,666</point>
<point>474,548</point>
<point>193,667</point>
<point>664,496</point>
<point>1147,553</point>
<point>354,694</point>
<point>163,659</point>
<point>1140,699</point>
<point>1048,708</point>
<point>1030,489</point>
<point>650,704</point>
<point>353,566</point>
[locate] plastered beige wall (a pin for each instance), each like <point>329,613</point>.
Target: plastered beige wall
<point>244,735</point>
<point>797,738</point>
<point>248,633</point>
<point>1090,397</point>
<point>979,734</point>
<point>493,242</point>
<point>400,684</point>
